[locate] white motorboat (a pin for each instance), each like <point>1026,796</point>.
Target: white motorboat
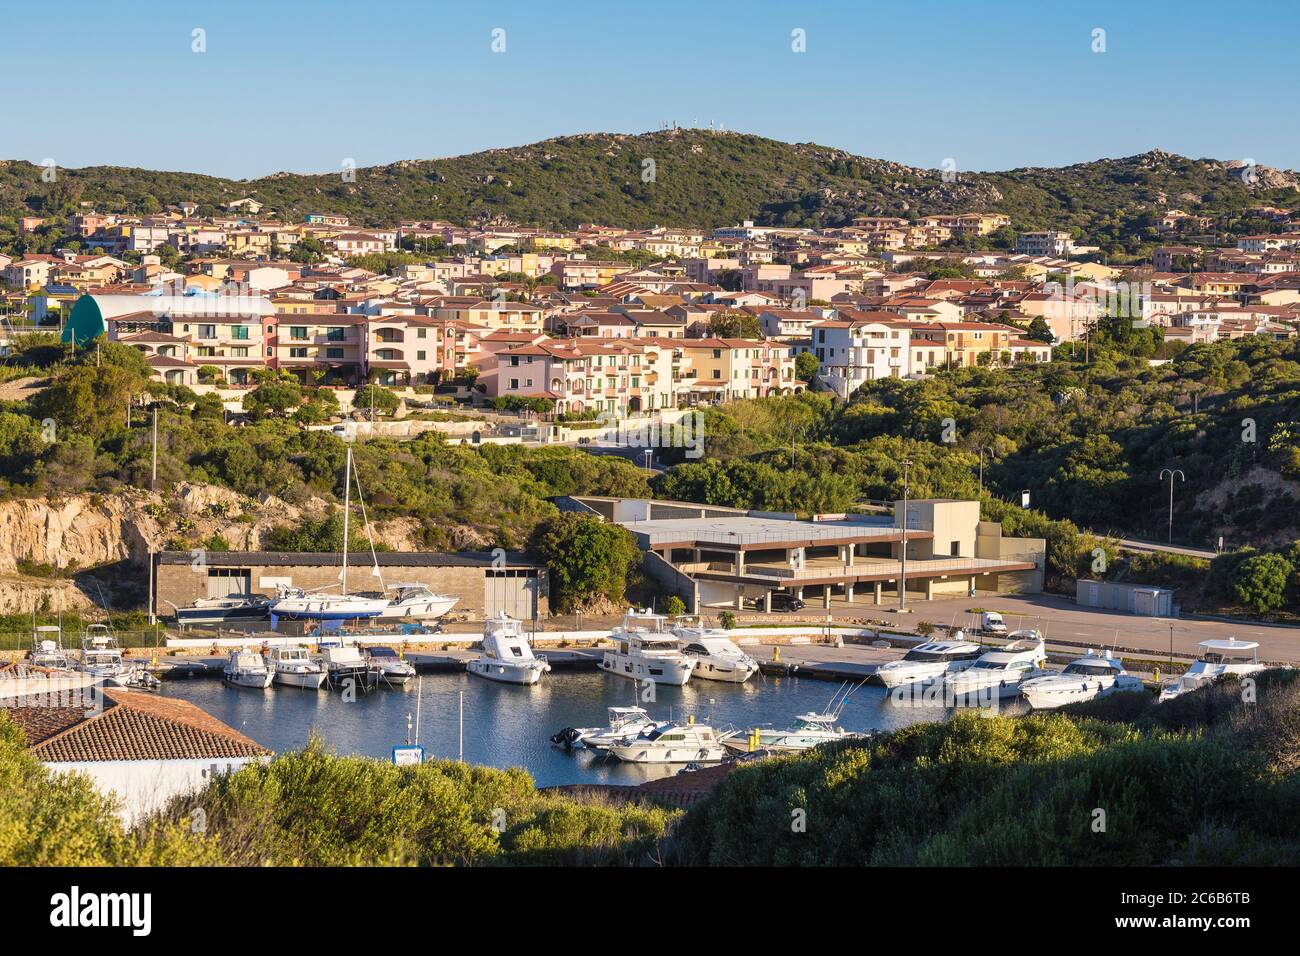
<point>344,664</point>
<point>47,649</point>
<point>715,655</point>
<point>625,724</point>
<point>101,657</point>
<point>507,656</point>
<point>929,661</point>
<point>231,609</point>
<point>1218,658</point>
<point>298,604</point>
<point>675,743</point>
<point>809,730</point>
<point>645,651</point>
<point>1085,678</point>
<point>248,669</point>
<point>999,673</point>
<point>415,602</point>
<point>293,667</point>
<point>393,669</point>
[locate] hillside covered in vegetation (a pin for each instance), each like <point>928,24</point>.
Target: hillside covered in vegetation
<point>696,178</point>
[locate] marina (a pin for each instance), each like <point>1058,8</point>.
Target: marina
<point>510,725</point>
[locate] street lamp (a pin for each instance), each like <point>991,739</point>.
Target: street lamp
<point>1171,472</point>
<point>902,551</point>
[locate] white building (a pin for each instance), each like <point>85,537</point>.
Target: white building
<point>141,747</point>
<point>853,352</point>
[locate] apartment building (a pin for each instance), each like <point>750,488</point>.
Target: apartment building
<point>326,348</point>
<point>854,351</point>
<point>720,370</point>
<point>579,375</point>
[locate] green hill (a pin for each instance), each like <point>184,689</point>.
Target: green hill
<point>700,178</point>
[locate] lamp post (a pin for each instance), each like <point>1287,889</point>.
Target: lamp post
<point>902,551</point>
<point>1171,472</point>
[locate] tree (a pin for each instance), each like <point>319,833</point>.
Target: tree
<point>735,325</point>
<point>381,399</point>
<point>586,557</point>
<point>274,396</point>
<point>806,366</point>
<point>1261,582</point>
<point>673,605</point>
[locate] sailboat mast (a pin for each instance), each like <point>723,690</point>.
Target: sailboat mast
<point>347,501</point>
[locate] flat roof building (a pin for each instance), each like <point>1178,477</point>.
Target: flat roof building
<point>714,556</point>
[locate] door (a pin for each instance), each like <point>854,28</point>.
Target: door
<point>226,581</point>
<point>513,592</point>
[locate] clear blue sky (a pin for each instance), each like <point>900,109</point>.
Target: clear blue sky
<point>302,86</point>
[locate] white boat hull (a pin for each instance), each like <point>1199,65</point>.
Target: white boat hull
<point>420,610</point>
<point>250,679</point>
<point>1050,692</point>
<point>505,672</point>
<point>726,671</point>
<point>648,751</point>
<point>310,680</point>
<point>671,672</point>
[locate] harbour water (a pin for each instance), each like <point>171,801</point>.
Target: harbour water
<point>510,726</point>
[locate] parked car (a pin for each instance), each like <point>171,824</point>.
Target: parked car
<point>781,601</point>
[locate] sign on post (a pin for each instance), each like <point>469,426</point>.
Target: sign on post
<point>409,756</point>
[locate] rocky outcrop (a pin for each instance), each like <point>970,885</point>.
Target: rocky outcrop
<point>85,531</point>
<point>20,595</point>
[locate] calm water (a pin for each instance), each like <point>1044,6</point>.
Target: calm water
<point>508,726</point>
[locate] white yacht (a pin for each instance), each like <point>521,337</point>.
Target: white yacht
<point>298,604</point>
<point>415,602</point>
<point>507,656</point>
<point>675,743</point>
<point>393,669</point>
<point>809,730</point>
<point>294,668</point>
<point>715,655</point>
<point>248,669</point>
<point>999,673</point>
<point>1086,678</point>
<point>644,651</point>
<point>1218,657</point>
<point>929,661</point>
<point>625,724</point>
<point>101,657</point>
<point>47,648</point>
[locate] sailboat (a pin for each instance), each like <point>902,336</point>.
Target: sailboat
<point>298,604</point>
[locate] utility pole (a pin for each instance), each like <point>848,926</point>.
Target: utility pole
<point>902,551</point>
<point>153,474</point>
<point>1171,472</point>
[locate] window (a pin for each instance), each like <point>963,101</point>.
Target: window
<point>207,331</point>
<point>956,549</point>
<point>239,332</point>
<point>419,356</point>
<point>297,353</point>
<point>298,332</point>
<point>334,353</point>
<point>514,383</point>
<point>335,335</point>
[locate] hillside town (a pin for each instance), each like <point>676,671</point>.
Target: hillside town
<point>606,319</point>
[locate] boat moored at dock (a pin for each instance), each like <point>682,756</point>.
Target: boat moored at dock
<point>507,656</point>
<point>248,669</point>
<point>231,609</point>
<point>347,667</point>
<point>48,650</point>
<point>716,656</point>
<point>644,651</point>
<point>675,743</point>
<point>1085,678</point>
<point>930,661</point>
<point>625,724</point>
<point>1218,659</point>
<point>999,673</point>
<point>293,667</point>
<point>393,669</point>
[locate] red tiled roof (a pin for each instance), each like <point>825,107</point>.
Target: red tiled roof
<point>132,726</point>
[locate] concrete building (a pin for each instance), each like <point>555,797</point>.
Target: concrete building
<point>1133,598</point>
<point>728,557</point>
<point>518,587</point>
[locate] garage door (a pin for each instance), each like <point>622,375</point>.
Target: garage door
<point>225,581</point>
<point>511,592</point>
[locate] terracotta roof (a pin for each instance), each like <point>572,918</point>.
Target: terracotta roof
<point>132,726</point>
